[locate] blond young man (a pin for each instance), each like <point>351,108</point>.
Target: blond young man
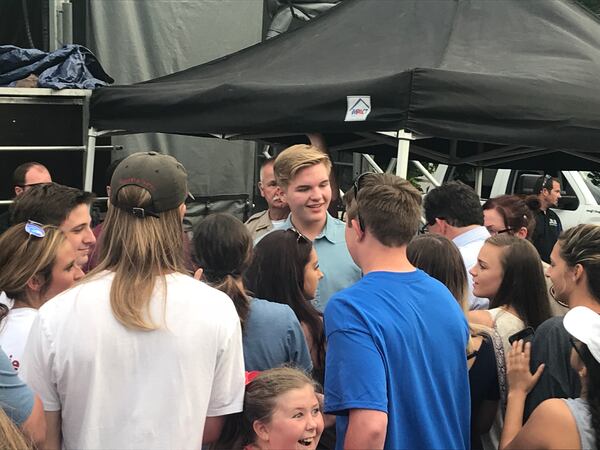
<point>302,173</point>
<point>396,363</point>
<point>277,210</point>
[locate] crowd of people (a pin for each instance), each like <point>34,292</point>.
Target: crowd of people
<point>296,330</point>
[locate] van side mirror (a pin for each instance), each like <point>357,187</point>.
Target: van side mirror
<point>568,202</point>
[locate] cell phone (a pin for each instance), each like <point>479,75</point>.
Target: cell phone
<point>526,334</point>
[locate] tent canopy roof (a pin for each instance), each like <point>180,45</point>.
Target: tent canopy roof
<point>511,74</point>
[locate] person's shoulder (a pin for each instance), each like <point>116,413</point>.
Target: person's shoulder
<point>553,214</point>
<point>552,411</point>
<point>551,325</point>
<point>256,216</point>
<point>271,310</point>
<point>181,284</point>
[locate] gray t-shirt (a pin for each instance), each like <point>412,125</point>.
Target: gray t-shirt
<point>273,336</point>
<point>16,399</point>
<point>583,419</point>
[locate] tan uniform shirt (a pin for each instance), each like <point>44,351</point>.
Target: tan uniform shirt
<point>259,224</point>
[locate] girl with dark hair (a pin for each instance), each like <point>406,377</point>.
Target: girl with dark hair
<point>441,259</point>
<point>510,214</point>
<point>557,423</point>
<point>508,272</point>
<point>271,333</point>
<point>513,215</point>
<point>281,411</point>
<point>285,270</point>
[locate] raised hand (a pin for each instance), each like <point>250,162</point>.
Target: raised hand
<point>520,378</point>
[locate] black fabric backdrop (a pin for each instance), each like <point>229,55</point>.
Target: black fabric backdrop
<point>499,83</point>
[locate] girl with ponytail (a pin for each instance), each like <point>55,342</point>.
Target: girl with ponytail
<point>272,335</point>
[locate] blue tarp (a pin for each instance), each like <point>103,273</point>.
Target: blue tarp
<point>72,66</point>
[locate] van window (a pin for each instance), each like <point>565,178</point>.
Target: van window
<point>466,174</point>
<point>522,182</point>
<point>592,180</point>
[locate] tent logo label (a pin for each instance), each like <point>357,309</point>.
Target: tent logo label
<point>359,108</point>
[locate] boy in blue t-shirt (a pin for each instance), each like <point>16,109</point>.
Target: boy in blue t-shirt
<point>396,370</point>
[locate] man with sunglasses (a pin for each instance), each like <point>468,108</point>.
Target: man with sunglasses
<point>548,225</point>
<point>396,367</point>
<point>302,173</point>
<point>454,210</point>
<point>25,176</point>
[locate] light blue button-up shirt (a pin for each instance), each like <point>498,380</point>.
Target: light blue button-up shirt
<point>469,244</point>
<point>339,270</point>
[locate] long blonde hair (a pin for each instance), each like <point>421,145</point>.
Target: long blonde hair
<point>138,250</point>
<point>23,256</point>
<point>10,436</point>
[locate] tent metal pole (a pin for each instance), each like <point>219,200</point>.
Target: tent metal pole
<point>90,154</point>
<point>372,163</point>
<point>478,180</point>
<point>404,139</point>
<point>426,173</point>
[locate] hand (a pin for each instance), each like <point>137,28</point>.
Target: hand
<point>518,374</point>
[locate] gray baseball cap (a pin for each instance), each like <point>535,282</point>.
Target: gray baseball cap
<point>161,175</point>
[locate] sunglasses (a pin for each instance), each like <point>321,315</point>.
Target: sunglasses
<point>299,236</point>
<point>35,229</point>
<point>356,186</point>
<point>494,233</point>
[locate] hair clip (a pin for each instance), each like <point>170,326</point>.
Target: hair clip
<point>250,376</point>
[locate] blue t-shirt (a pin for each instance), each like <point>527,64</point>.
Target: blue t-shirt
<point>396,343</point>
<point>273,336</point>
<point>16,399</point>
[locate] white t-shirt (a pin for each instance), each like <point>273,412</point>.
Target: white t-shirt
<point>120,388</point>
<point>14,331</point>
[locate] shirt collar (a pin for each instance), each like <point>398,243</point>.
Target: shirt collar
<point>476,234</point>
<point>330,232</point>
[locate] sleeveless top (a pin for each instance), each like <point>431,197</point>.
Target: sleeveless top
<point>583,419</point>
<point>506,324</point>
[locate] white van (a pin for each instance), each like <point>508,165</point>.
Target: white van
<point>580,202</point>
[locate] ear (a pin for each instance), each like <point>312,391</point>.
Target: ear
<point>260,188</point>
<point>198,273</point>
<point>108,191</point>
<point>35,283</point>
<point>18,190</point>
<point>261,430</point>
<point>521,233</point>
<point>442,224</point>
<point>355,226</point>
<point>578,273</point>
<point>182,210</point>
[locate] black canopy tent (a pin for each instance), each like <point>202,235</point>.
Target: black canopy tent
<point>504,83</point>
